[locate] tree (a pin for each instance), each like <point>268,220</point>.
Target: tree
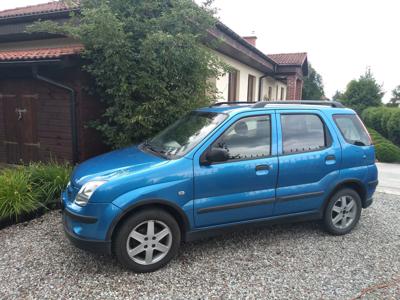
<point>337,96</point>
<point>395,101</point>
<point>147,59</point>
<point>313,88</point>
<point>362,93</point>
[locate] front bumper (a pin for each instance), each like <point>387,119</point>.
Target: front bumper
<point>87,227</point>
<point>102,247</point>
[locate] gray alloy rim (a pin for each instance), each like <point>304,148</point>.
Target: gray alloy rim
<point>149,242</point>
<point>344,212</point>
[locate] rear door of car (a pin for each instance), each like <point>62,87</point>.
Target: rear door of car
<point>309,160</point>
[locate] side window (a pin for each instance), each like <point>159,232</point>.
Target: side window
<point>353,130</point>
<point>247,138</point>
<point>303,133</point>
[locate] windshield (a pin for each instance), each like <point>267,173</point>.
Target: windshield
<point>181,137</point>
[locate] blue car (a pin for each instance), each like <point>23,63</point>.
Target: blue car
<point>222,168</point>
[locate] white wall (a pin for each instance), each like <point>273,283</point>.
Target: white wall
<point>222,83</point>
<point>276,85</point>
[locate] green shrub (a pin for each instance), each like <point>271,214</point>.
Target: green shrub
<point>393,126</point>
<point>24,190</point>
<point>386,151</point>
<point>17,194</point>
<point>385,120</point>
<point>49,180</point>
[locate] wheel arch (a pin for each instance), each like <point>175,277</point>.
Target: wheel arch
<point>354,184</point>
<point>176,212</point>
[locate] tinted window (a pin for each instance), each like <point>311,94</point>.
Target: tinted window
<point>302,133</point>
<point>352,129</point>
<point>248,138</point>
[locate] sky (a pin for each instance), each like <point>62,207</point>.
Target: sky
<point>342,37</point>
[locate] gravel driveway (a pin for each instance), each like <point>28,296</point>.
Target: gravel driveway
<point>285,261</point>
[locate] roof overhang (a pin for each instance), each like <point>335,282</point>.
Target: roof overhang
<point>291,63</point>
<point>62,55</point>
<point>221,38</point>
<point>299,71</point>
<point>224,40</point>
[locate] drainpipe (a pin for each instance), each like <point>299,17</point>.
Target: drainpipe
<point>72,97</point>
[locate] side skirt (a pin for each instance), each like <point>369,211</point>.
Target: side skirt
<point>215,231</point>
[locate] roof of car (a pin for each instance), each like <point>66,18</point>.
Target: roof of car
<point>239,107</point>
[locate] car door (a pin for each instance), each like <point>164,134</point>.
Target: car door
<point>309,160</point>
<point>243,187</point>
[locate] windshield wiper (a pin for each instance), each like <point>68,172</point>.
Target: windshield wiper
<point>155,150</point>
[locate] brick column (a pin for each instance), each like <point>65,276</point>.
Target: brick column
<point>294,87</point>
<point>291,93</point>
<point>299,89</point>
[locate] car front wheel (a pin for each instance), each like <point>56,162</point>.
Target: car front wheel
<point>147,241</point>
<point>342,212</point>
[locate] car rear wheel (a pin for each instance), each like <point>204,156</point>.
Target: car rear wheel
<point>343,212</point>
<point>147,241</point>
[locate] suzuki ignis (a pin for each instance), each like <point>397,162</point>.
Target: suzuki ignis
<point>218,168</point>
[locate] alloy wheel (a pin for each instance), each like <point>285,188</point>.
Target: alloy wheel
<point>344,212</point>
<point>149,242</point>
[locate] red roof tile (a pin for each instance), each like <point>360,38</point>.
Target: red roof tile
<point>56,6</point>
<point>297,59</point>
<point>43,53</point>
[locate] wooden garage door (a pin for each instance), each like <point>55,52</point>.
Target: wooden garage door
<point>20,113</point>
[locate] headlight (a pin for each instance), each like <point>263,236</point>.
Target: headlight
<point>87,191</point>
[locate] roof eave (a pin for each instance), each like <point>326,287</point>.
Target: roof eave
<point>36,16</point>
<point>242,41</point>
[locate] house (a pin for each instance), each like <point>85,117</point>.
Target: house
<point>44,108</point>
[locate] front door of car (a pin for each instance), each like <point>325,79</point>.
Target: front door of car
<point>309,161</point>
<point>242,187</point>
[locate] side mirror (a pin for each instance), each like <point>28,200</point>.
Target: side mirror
<point>215,155</point>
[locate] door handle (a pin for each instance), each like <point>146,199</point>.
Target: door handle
<point>263,168</point>
<point>330,158</point>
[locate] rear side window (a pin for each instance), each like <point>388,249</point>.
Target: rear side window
<point>353,130</point>
<point>303,133</point>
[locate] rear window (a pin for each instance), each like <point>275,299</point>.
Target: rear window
<point>353,130</point>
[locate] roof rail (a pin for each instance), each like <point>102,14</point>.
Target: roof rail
<point>306,102</point>
<point>233,103</point>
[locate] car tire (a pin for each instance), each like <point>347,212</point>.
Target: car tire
<point>342,212</point>
<point>147,241</point>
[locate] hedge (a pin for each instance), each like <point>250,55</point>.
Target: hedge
<point>385,120</point>
<point>386,151</point>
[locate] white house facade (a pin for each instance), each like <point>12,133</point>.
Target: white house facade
<point>255,76</point>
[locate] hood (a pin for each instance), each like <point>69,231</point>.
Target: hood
<point>112,164</point>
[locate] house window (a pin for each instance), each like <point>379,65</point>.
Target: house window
<point>277,93</point>
<point>233,85</point>
<point>269,92</point>
<point>251,88</point>
<point>282,93</point>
